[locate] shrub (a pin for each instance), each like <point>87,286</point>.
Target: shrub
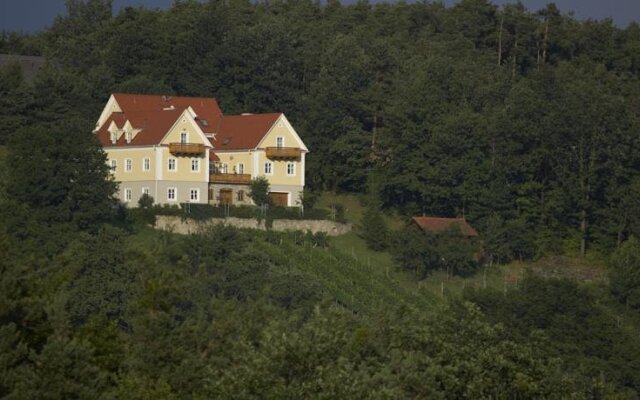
<point>624,273</point>
<point>259,191</point>
<point>423,252</point>
<point>374,230</point>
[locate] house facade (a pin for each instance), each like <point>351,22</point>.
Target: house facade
<point>184,150</point>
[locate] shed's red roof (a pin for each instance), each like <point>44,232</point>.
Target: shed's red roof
<point>436,224</point>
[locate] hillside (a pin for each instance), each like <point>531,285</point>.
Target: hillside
<point>524,123</point>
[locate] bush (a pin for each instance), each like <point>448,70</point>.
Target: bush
<point>374,230</point>
<point>423,252</point>
<point>624,273</point>
<point>308,199</point>
<point>205,211</point>
<point>144,214</point>
<point>259,191</point>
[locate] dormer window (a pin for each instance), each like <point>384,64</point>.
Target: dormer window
<point>128,136</point>
<point>113,138</point>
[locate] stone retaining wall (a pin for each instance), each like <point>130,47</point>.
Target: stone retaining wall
<point>178,225</point>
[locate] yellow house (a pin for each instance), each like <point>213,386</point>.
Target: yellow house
<point>184,150</point>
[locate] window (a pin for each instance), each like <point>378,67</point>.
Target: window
<point>268,168</point>
<point>172,194</point>
<point>113,138</point>
<point>240,168</point>
<point>291,169</point>
<point>224,168</point>
<point>195,165</point>
<point>127,194</point>
<point>194,195</point>
<point>183,137</point>
<point>172,164</point>
<point>128,136</point>
<point>114,164</point>
<point>279,141</point>
<point>240,195</point>
<point>128,165</point>
<point>146,164</point>
<point>145,190</point>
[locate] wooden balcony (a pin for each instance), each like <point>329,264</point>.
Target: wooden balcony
<point>237,179</point>
<point>283,152</point>
<point>186,148</point>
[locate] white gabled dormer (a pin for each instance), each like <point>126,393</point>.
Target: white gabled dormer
<point>114,132</point>
<point>129,131</point>
<point>111,107</point>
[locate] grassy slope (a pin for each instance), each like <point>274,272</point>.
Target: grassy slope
<point>364,280</point>
<point>498,277</point>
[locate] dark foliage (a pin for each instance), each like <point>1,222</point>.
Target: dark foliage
<point>422,252</point>
<point>624,273</point>
<point>578,328</point>
<point>524,122</point>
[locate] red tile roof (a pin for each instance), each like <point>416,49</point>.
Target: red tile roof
<point>155,114</point>
<point>436,224</point>
<point>241,132</point>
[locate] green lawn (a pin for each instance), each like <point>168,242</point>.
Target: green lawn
<point>354,210</point>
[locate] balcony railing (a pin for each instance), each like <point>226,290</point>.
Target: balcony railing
<point>186,148</point>
<point>283,152</point>
<point>240,179</point>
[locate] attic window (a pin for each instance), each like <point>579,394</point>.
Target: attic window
<point>113,138</point>
<point>226,141</point>
<point>204,122</point>
<point>128,137</point>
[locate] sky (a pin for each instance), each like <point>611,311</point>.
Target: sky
<point>34,15</point>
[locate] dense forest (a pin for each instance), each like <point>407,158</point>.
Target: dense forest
<point>526,123</point>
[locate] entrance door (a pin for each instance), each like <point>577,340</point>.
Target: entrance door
<point>226,196</point>
<point>279,199</point>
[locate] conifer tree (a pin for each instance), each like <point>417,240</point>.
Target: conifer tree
<point>374,229</point>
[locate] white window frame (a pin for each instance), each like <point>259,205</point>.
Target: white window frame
<point>128,165</point>
<point>184,135</point>
<point>175,194</point>
<point>127,194</point>
<point>280,142</point>
<point>268,168</point>
<point>129,137</point>
<point>145,190</point>
<point>146,164</point>
<point>224,168</point>
<point>197,164</point>
<point>293,169</point>
<point>113,138</point>
<point>240,168</point>
<point>175,164</point>
<point>197,195</point>
<point>114,165</point>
